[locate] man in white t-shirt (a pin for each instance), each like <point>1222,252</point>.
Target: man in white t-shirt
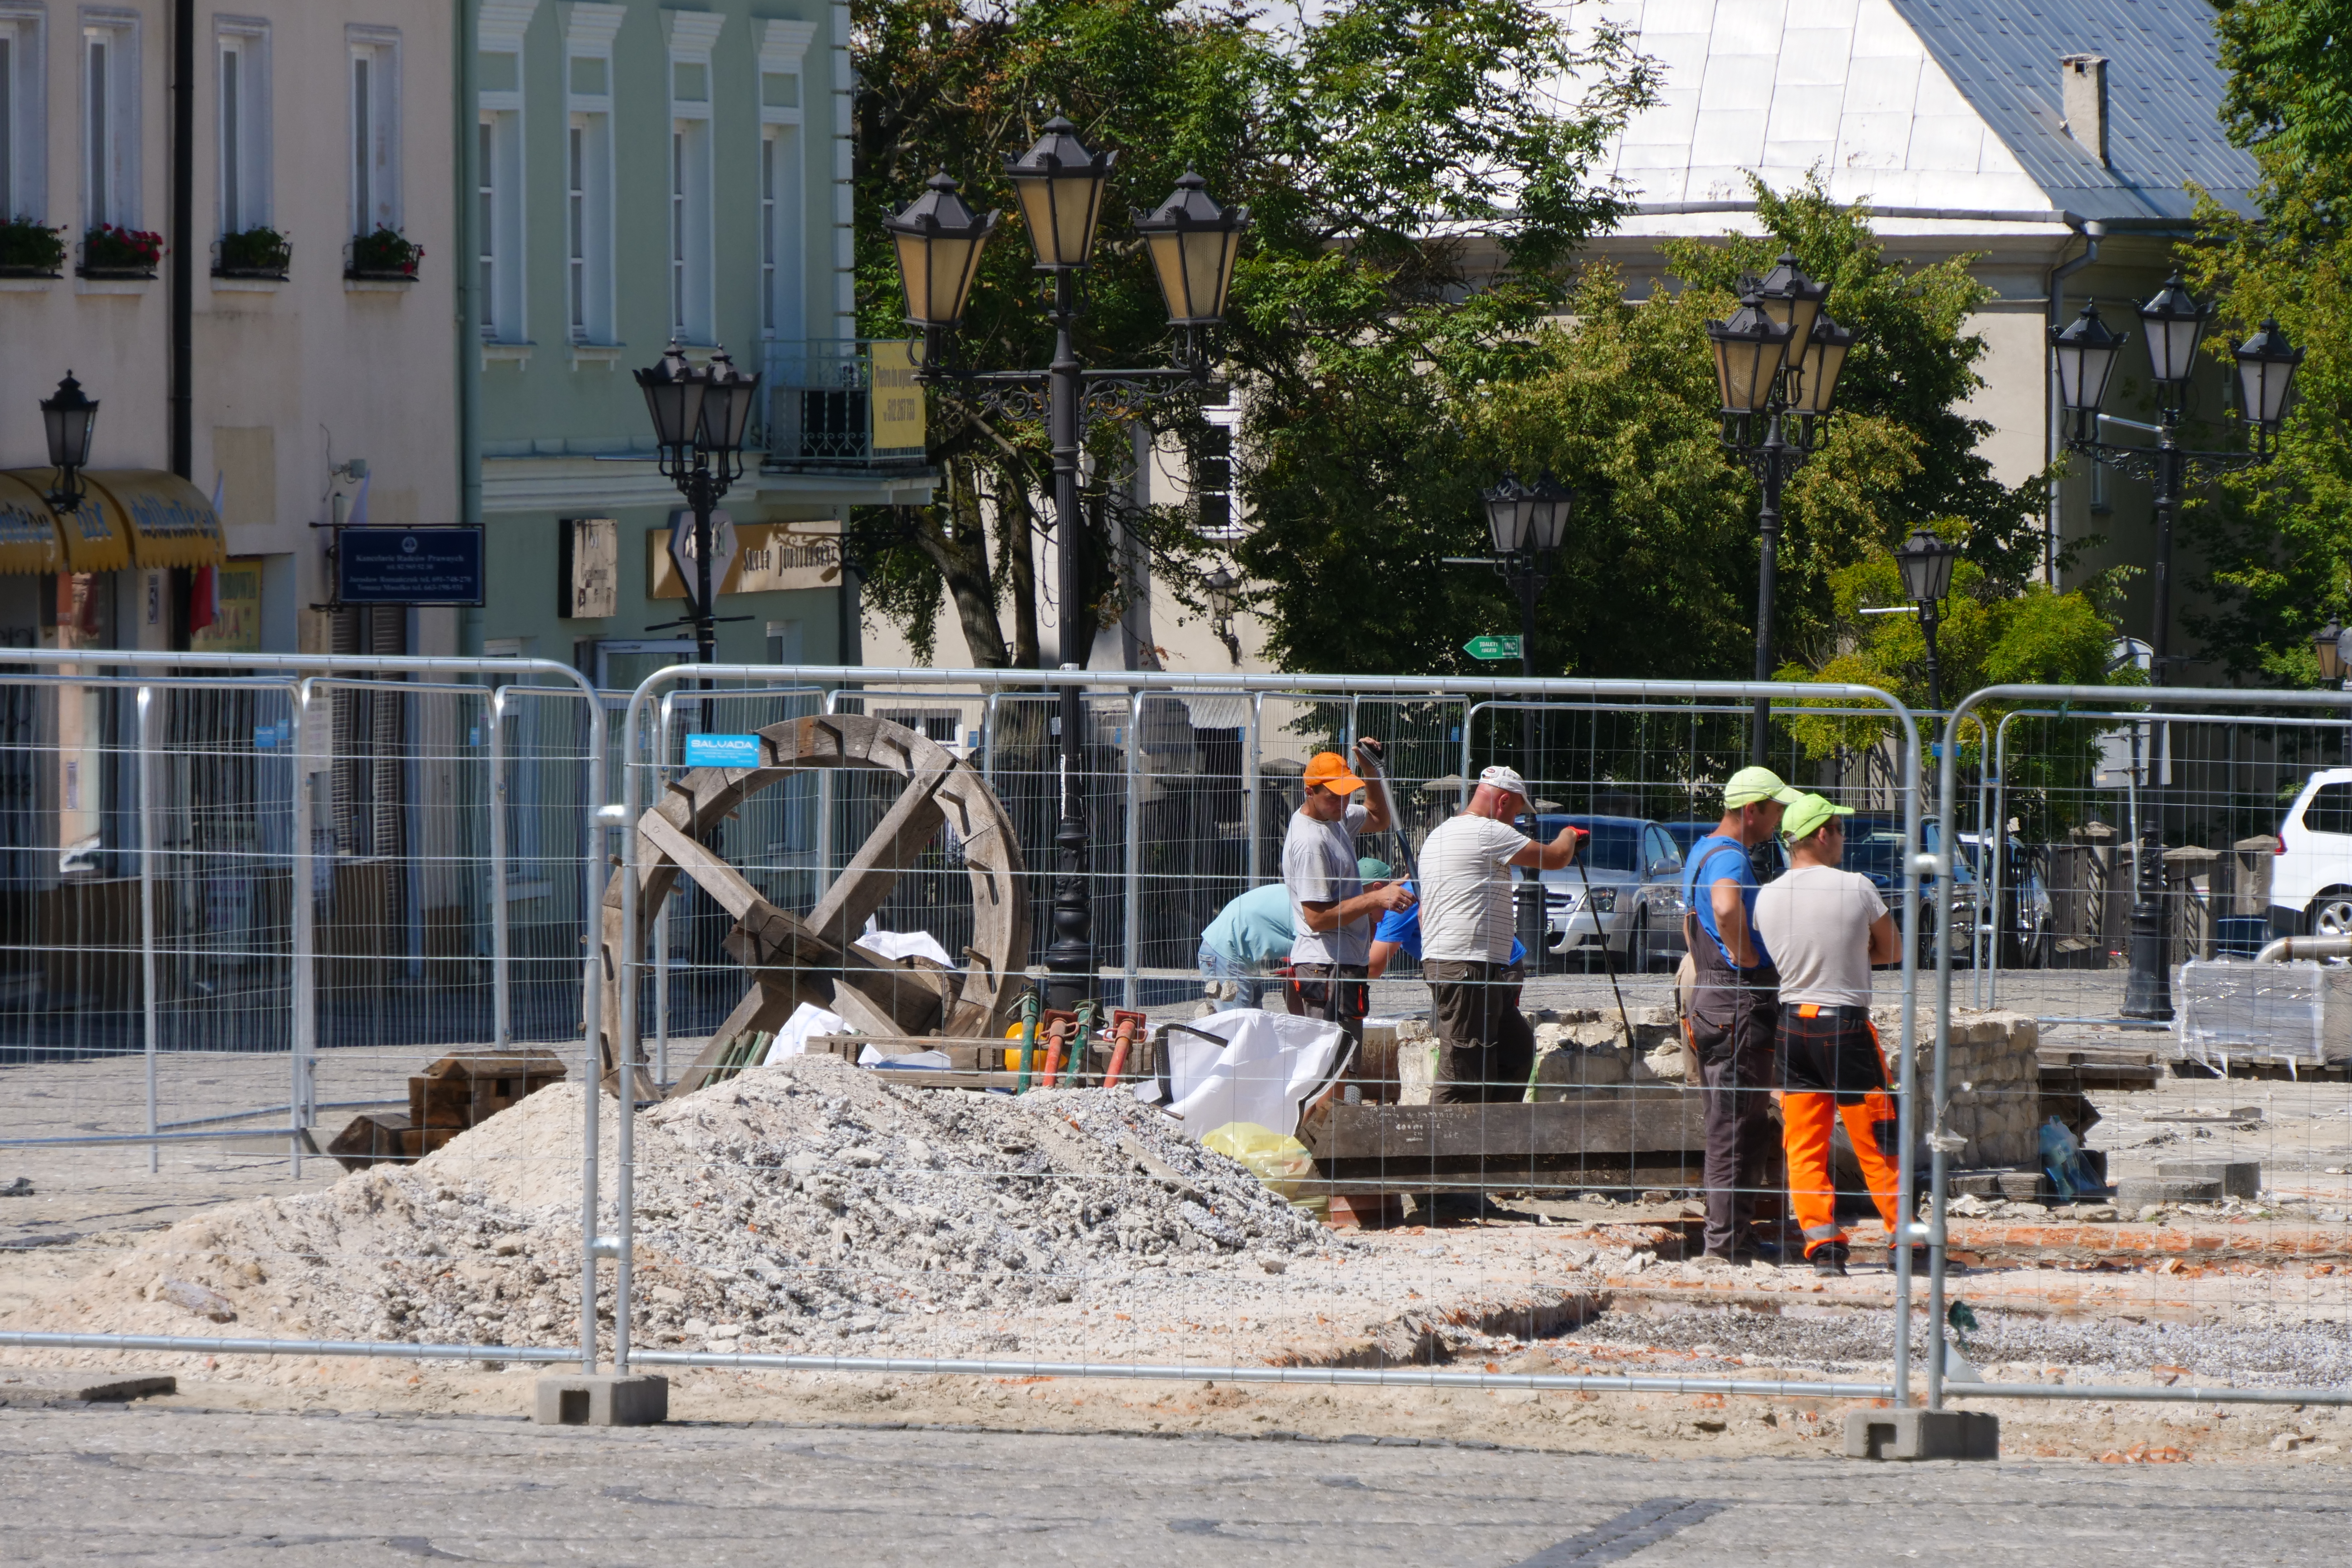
<point>1486,1048</point>
<point>1333,912</point>
<point>1825,928</point>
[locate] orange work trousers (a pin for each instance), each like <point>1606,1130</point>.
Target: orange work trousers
<point>1833,1067</point>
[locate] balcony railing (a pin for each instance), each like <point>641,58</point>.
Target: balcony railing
<point>821,415</point>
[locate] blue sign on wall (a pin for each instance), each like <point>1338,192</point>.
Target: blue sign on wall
<point>408,566</point>
<point>722,750</point>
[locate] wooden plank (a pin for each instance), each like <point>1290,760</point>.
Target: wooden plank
<point>714,876</point>
<point>1612,1121</point>
<point>864,884</point>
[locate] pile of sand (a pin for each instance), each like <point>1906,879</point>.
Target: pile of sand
<point>810,1205</point>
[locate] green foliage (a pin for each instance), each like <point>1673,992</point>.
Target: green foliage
<point>28,246</point>
<point>2274,541</point>
<point>1351,138</point>
<point>1363,485</point>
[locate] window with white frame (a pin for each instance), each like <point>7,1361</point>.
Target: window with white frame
<point>498,193</point>
<point>241,100</point>
<point>23,121</point>
<point>588,173</point>
<point>691,246</point>
<point>784,235</point>
<point>374,131</point>
<point>110,118</point>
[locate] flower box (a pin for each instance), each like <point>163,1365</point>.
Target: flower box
<point>258,252</point>
<point>29,248</point>
<point>108,251</point>
<point>387,255</point>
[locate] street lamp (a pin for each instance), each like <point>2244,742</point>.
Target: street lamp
<point>1220,585</point>
<point>2085,356</point>
<point>699,416</point>
<point>2335,656</point>
<point>68,419</point>
<point>1776,362</point>
<point>1927,561</point>
<point>1193,242</point>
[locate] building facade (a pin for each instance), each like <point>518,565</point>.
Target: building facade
<point>643,175</point>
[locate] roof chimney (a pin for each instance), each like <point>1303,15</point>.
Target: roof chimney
<point>2083,82</point>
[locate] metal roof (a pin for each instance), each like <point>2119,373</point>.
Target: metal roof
<point>2163,97</point>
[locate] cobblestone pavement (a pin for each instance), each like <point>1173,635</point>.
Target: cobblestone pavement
<point>116,1485</point>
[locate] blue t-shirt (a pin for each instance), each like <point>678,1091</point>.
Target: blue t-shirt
<point>1255,930</point>
<point>1403,928</point>
<point>1711,857</point>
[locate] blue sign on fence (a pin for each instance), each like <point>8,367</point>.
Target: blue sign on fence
<point>722,750</point>
<point>408,566</point>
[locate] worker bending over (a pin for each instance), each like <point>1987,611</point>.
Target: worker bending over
<point>1826,928</point>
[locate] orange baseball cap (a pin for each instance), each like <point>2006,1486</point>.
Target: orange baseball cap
<point>1330,770</point>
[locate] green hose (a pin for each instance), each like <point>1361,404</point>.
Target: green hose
<point>1028,1039</point>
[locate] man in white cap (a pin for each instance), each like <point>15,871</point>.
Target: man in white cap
<point>1486,1048</point>
<point>1734,1008</point>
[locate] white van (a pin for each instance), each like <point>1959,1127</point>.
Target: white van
<point>2311,876</point>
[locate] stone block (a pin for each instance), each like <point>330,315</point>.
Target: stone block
<point>1922,1434</point>
<point>2238,1178</point>
<point>2136,1193</point>
<point>603,1401</point>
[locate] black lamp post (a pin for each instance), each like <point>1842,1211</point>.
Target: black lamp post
<point>1927,561</point>
<point>1220,587</point>
<point>699,417</point>
<point>1192,243</point>
<point>1525,526</point>
<point>2335,656</point>
<point>68,419</point>
<point>1776,362</point>
<point>2085,354</point>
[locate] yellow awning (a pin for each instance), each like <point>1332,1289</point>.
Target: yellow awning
<point>97,536</point>
<point>172,524</point>
<point>28,532</point>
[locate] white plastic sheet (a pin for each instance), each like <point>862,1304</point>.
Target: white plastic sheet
<point>900,944</point>
<point>807,1022</point>
<point>1263,1067</point>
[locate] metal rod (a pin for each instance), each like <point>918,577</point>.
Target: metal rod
<point>1253,830</point>
<point>1131,987</point>
<point>501,983</point>
<point>148,1018</point>
<point>1906,1102</point>
<point>305,910</point>
<point>663,715</point>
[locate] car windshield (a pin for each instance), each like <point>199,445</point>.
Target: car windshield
<point>1616,844</point>
<point>1878,857</point>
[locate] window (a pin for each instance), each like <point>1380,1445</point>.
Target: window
<point>485,219</point>
<point>110,96</point>
<point>243,103</point>
<point>783,236</point>
<point>588,175</point>
<point>692,35</point>
<point>22,120</point>
<point>498,192</point>
<point>374,131</point>
<point>2329,809</point>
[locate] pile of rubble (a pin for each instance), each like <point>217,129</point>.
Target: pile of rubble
<point>783,1209</point>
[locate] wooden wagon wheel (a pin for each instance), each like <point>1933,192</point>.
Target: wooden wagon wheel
<point>816,957</point>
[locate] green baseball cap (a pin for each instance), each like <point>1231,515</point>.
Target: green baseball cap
<point>1749,785</point>
<point>1372,870</point>
<point>1808,813</point>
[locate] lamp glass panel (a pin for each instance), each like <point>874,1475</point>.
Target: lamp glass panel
<point>1506,520</point>
<point>1076,199</point>
<point>676,407</point>
<point>1745,366</point>
<point>1551,522</point>
<point>1036,196</point>
<point>1817,381</point>
<point>2328,648</point>
<point>53,425</point>
<point>1168,260</point>
<point>2172,346</point>
<point>2264,383</point>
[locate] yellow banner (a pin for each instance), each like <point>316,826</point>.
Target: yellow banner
<point>238,627</point>
<point>897,397</point>
<point>28,531</point>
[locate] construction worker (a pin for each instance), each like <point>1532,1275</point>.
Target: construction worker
<point>1826,928</point>
<point>1249,941</point>
<point>1331,910</point>
<point>1734,1009</point>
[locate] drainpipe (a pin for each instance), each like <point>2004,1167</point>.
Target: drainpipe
<point>183,236</point>
<point>470,304</point>
<point>2092,231</point>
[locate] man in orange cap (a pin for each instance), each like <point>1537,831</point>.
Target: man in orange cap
<point>1333,911</point>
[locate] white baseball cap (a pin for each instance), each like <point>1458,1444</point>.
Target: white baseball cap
<point>1507,780</point>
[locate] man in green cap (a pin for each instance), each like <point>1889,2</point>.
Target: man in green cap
<point>1735,1007</point>
<point>1827,926</point>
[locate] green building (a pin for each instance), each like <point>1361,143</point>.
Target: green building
<point>642,174</point>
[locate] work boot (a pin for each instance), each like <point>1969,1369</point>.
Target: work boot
<point>1829,1258</point>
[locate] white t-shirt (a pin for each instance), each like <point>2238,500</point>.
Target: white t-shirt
<point>1319,865</point>
<point>1465,889</point>
<point>1816,921</point>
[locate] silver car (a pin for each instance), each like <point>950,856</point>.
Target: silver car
<point>1633,872</point>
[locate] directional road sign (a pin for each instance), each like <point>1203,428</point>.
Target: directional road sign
<point>1491,648</point>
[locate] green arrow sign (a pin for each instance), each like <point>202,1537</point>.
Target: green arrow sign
<point>1491,648</point>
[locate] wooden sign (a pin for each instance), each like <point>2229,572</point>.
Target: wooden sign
<point>590,568</point>
<point>770,558</point>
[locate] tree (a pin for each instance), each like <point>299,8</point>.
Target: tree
<point>2275,546</point>
<point>1353,137</point>
<point>1360,490</point>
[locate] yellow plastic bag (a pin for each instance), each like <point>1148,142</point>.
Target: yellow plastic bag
<point>1278,1160</point>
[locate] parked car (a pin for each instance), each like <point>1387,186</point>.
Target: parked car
<point>1636,903</point>
<point>2029,939</point>
<point>2311,874</point>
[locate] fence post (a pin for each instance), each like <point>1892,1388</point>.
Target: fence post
<point>501,985</point>
<point>661,916</point>
<point>303,897</point>
<point>1253,829</point>
<point>147,908</point>
<point>1132,988</point>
